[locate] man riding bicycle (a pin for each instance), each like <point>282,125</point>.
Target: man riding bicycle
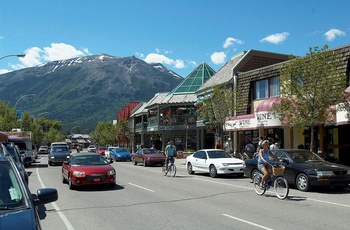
<point>170,152</point>
<point>263,158</point>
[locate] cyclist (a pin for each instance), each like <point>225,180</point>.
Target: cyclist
<point>263,159</point>
<point>170,151</point>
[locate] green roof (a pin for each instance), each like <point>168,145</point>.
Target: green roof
<point>194,80</point>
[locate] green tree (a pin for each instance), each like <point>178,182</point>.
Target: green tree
<point>104,133</point>
<point>8,117</point>
<point>217,107</point>
<point>310,86</point>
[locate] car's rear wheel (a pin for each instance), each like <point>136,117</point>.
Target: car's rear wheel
<point>189,168</point>
<point>212,171</point>
<point>303,183</point>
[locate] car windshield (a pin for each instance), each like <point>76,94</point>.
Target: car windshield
<point>60,149</point>
<point>11,193</point>
<point>118,150</point>
<point>304,156</point>
<point>218,154</point>
<point>150,151</point>
<point>89,160</point>
<point>102,148</point>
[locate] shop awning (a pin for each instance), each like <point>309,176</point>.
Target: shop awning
<point>243,122</point>
<point>265,116</point>
<point>267,104</point>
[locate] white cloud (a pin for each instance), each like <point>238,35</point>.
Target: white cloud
<point>57,51</point>
<point>218,58</point>
<point>231,41</point>
<point>275,38</point>
<point>333,33</point>
<point>2,71</point>
<point>61,51</point>
<point>160,58</point>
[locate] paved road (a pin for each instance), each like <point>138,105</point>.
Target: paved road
<point>145,199</point>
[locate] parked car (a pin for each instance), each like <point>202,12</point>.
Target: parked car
<point>101,150</point>
<point>120,154</point>
<point>91,148</point>
<point>214,162</point>
<point>107,152</point>
<point>58,154</point>
<point>147,156</point>
<point>13,151</point>
<point>18,208</point>
<point>88,169</point>
<point>305,169</point>
<point>43,149</point>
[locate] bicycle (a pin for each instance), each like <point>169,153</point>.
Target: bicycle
<point>280,184</point>
<point>171,168</point>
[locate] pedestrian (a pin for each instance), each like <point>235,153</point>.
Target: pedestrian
<point>260,146</point>
<point>228,146</point>
<point>249,149</point>
<point>274,146</point>
<point>218,144</point>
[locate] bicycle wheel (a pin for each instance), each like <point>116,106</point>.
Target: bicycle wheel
<point>172,170</point>
<point>281,188</point>
<point>164,172</point>
<point>256,183</point>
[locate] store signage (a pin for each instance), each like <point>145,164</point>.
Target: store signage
<point>343,113</point>
<point>267,119</point>
<point>241,124</point>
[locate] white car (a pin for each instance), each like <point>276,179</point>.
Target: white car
<point>214,162</point>
<point>91,149</point>
<point>107,152</point>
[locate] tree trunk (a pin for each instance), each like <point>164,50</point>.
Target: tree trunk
<point>312,131</point>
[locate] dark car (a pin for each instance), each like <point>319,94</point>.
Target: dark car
<point>18,208</point>
<point>13,151</point>
<point>84,169</point>
<point>120,154</point>
<point>58,154</point>
<point>148,156</point>
<point>305,170</point>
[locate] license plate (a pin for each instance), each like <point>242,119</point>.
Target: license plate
<point>97,179</point>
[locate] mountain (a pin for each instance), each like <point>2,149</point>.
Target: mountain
<point>82,91</point>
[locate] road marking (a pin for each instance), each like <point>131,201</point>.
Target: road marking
<point>141,187</point>
<point>58,210</point>
<point>247,222</point>
<point>328,202</point>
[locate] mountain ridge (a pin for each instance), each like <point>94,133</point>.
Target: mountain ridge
<point>82,91</point>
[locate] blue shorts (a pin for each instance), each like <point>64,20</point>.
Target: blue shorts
<point>262,165</point>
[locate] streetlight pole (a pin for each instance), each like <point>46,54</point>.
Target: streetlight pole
<point>13,55</point>
<point>27,95</point>
<point>37,117</point>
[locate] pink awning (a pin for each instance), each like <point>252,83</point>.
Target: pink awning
<point>267,104</point>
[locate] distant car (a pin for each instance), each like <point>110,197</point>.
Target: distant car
<point>43,149</point>
<point>18,208</point>
<point>84,169</point>
<point>214,162</point>
<point>120,154</point>
<point>305,169</point>
<point>13,151</point>
<point>107,152</point>
<point>148,156</point>
<point>91,148</point>
<point>58,154</point>
<point>53,144</point>
<point>101,150</point>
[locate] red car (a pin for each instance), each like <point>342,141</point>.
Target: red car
<point>88,169</point>
<point>148,156</point>
<point>101,150</point>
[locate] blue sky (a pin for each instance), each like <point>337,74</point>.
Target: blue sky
<point>180,34</point>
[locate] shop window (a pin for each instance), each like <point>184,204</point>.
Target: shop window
<point>267,88</point>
